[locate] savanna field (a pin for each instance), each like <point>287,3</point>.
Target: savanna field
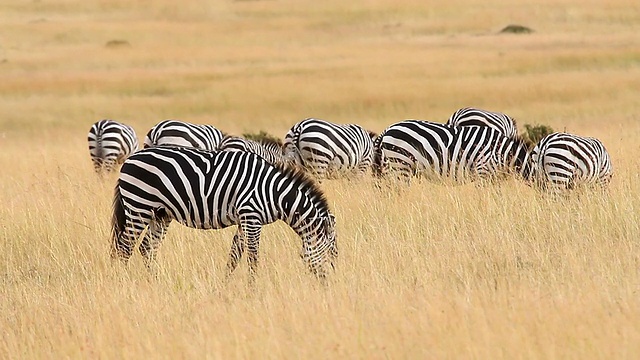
<point>428,271</point>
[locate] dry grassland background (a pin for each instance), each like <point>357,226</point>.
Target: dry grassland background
<point>431,271</point>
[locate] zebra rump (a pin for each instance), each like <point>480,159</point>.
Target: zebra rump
<point>439,151</point>
<point>110,143</point>
<point>563,161</point>
<point>327,150</point>
<point>214,190</point>
<point>477,117</point>
<point>183,134</point>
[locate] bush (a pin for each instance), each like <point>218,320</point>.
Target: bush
<point>534,133</point>
<point>516,29</point>
<point>117,43</point>
<point>263,136</point>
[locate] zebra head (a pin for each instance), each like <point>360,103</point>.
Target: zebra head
<point>319,245</point>
<point>147,142</point>
<point>291,155</point>
<point>523,164</point>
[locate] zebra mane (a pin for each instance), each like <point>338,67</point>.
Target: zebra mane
<point>307,184</point>
<point>372,134</point>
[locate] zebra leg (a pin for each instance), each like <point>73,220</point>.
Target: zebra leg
<point>109,164</point>
<point>249,230</point>
<point>125,233</point>
<point>318,170</point>
<point>397,176</point>
<point>559,184</point>
<point>123,229</point>
<point>151,242</point>
<point>315,164</point>
<point>484,173</point>
<point>361,170</point>
<point>235,254</point>
<point>603,182</point>
<point>253,243</point>
<point>97,165</point>
<point>403,172</point>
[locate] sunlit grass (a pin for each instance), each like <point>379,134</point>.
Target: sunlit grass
<point>425,270</point>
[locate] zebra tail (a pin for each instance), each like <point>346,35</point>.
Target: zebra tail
<point>99,151</point>
<point>118,220</point>
<point>376,163</point>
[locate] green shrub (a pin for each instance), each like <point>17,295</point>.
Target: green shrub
<point>534,133</point>
<point>263,136</point>
<point>516,29</point>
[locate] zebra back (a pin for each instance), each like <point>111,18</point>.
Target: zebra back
<point>179,133</point>
<point>441,151</point>
<point>477,117</point>
<point>110,143</point>
<point>269,150</point>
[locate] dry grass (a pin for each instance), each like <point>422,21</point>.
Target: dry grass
<point>427,272</point>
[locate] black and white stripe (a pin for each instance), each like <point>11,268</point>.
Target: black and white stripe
<point>179,133</point>
<point>329,150</point>
<point>478,117</point>
<point>266,149</point>
<point>213,190</point>
<point>438,151</point>
<point>110,143</point>
<point>563,161</point>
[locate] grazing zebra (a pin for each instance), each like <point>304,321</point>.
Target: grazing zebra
<point>439,151</point>
<point>563,161</point>
<point>326,149</point>
<point>267,149</point>
<point>110,143</point>
<point>213,190</point>
<point>179,133</point>
<point>478,117</point>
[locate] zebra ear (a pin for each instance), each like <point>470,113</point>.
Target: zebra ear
<point>372,135</point>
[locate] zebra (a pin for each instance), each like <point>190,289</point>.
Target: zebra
<point>213,190</point>
<point>477,117</point>
<point>563,161</point>
<point>441,152</point>
<point>267,149</point>
<point>179,133</point>
<point>328,150</point>
<point>110,143</point>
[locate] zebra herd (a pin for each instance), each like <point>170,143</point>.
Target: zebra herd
<point>205,179</point>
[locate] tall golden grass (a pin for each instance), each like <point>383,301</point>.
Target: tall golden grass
<point>428,271</point>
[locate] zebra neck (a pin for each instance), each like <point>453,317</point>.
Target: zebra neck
<point>515,157</point>
<point>305,220</point>
<point>521,162</point>
<point>307,226</point>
